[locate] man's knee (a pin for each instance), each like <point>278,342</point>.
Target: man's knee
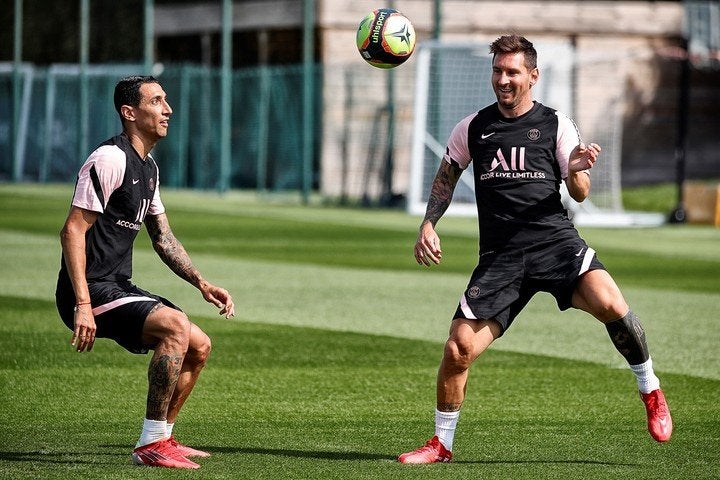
<point>598,294</point>
<point>199,348</point>
<point>610,308</point>
<point>458,355</point>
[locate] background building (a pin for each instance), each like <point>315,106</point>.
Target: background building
<point>615,66</point>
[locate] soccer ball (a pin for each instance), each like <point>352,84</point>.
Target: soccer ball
<point>385,38</point>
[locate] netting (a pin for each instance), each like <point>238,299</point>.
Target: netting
<point>266,136</point>
<point>453,81</point>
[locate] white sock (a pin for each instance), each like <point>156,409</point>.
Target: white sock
<point>445,423</point>
<point>169,429</point>
<point>646,379</point>
<point>153,430</point>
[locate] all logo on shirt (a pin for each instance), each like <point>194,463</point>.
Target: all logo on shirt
<point>510,167</point>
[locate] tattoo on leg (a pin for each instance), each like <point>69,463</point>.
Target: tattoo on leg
<point>449,407</point>
<point>628,336</point>
<point>163,375</point>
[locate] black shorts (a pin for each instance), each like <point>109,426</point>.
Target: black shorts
<point>504,281</point>
<point>120,310</point>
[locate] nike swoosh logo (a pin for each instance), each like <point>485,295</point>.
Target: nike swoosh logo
<point>580,252</point>
<point>663,422</point>
<point>484,136</point>
<point>135,181</point>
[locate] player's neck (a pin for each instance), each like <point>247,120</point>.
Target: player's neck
<point>517,110</point>
<point>142,145</point>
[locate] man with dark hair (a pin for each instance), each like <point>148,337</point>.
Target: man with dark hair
<point>115,194</point>
<point>522,151</point>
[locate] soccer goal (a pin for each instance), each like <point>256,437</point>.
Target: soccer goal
<point>453,81</point>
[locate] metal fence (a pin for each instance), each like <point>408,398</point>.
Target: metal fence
<point>50,142</point>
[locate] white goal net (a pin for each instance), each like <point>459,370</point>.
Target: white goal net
<point>453,81</point>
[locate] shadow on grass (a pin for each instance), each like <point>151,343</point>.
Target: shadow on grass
<point>109,458</point>
<point>329,455</point>
<point>545,462</point>
<point>58,458</point>
<point>318,454</point>
<point>337,455</point>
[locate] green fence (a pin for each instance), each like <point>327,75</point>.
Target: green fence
<point>266,125</point>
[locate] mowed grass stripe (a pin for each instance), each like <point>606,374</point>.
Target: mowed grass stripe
<point>413,304</point>
<point>685,259</point>
<point>295,402</point>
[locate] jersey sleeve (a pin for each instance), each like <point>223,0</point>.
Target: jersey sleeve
<point>568,137</point>
<point>457,151</point>
<point>101,174</point>
<point>156,206</point>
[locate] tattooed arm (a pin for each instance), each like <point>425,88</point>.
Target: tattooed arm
<point>171,251</point>
<point>427,246</point>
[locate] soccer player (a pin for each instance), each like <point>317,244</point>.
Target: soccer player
<point>115,194</point>
<point>521,151</point>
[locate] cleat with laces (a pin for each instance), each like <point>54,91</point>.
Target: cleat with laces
<point>186,451</point>
<point>432,452</point>
<point>161,454</point>
<point>659,421</point>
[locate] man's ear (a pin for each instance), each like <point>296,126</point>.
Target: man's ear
<point>534,75</point>
<point>127,112</point>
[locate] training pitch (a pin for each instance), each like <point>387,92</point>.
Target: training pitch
<point>328,368</point>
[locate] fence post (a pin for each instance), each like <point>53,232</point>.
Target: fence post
<point>226,96</point>
<point>84,96</point>
<point>149,28</point>
<point>308,97</point>
<point>17,59</point>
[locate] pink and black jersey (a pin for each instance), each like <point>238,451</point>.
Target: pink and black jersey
<point>518,165</point>
<point>123,189</point>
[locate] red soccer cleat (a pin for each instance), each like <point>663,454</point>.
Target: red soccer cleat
<point>658,415</point>
<point>161,454</point>
<point>432,452</point>
<point>186,451</point>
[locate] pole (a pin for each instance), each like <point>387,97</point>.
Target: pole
<point>678,215</point>
<point>308,98</point>
<point>84,96</point>
<point>263,113</point>
<point>387,183</point>
<point>437,19</point>
<point>149,32</point>
<point>226,96</point>
<point>16,86</point>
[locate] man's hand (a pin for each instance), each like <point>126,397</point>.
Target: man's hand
<point>219,297</point>
<point>583,157</point>
<point>427,246</point>
<point>83,337</point>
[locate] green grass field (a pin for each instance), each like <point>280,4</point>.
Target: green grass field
<point>328,368</point>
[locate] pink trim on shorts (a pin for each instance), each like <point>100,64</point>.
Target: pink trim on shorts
<point>466,308</point>
<point>120,302</point>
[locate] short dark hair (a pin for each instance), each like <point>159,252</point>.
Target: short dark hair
<point>516,44</point>
<point>127,90</point>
